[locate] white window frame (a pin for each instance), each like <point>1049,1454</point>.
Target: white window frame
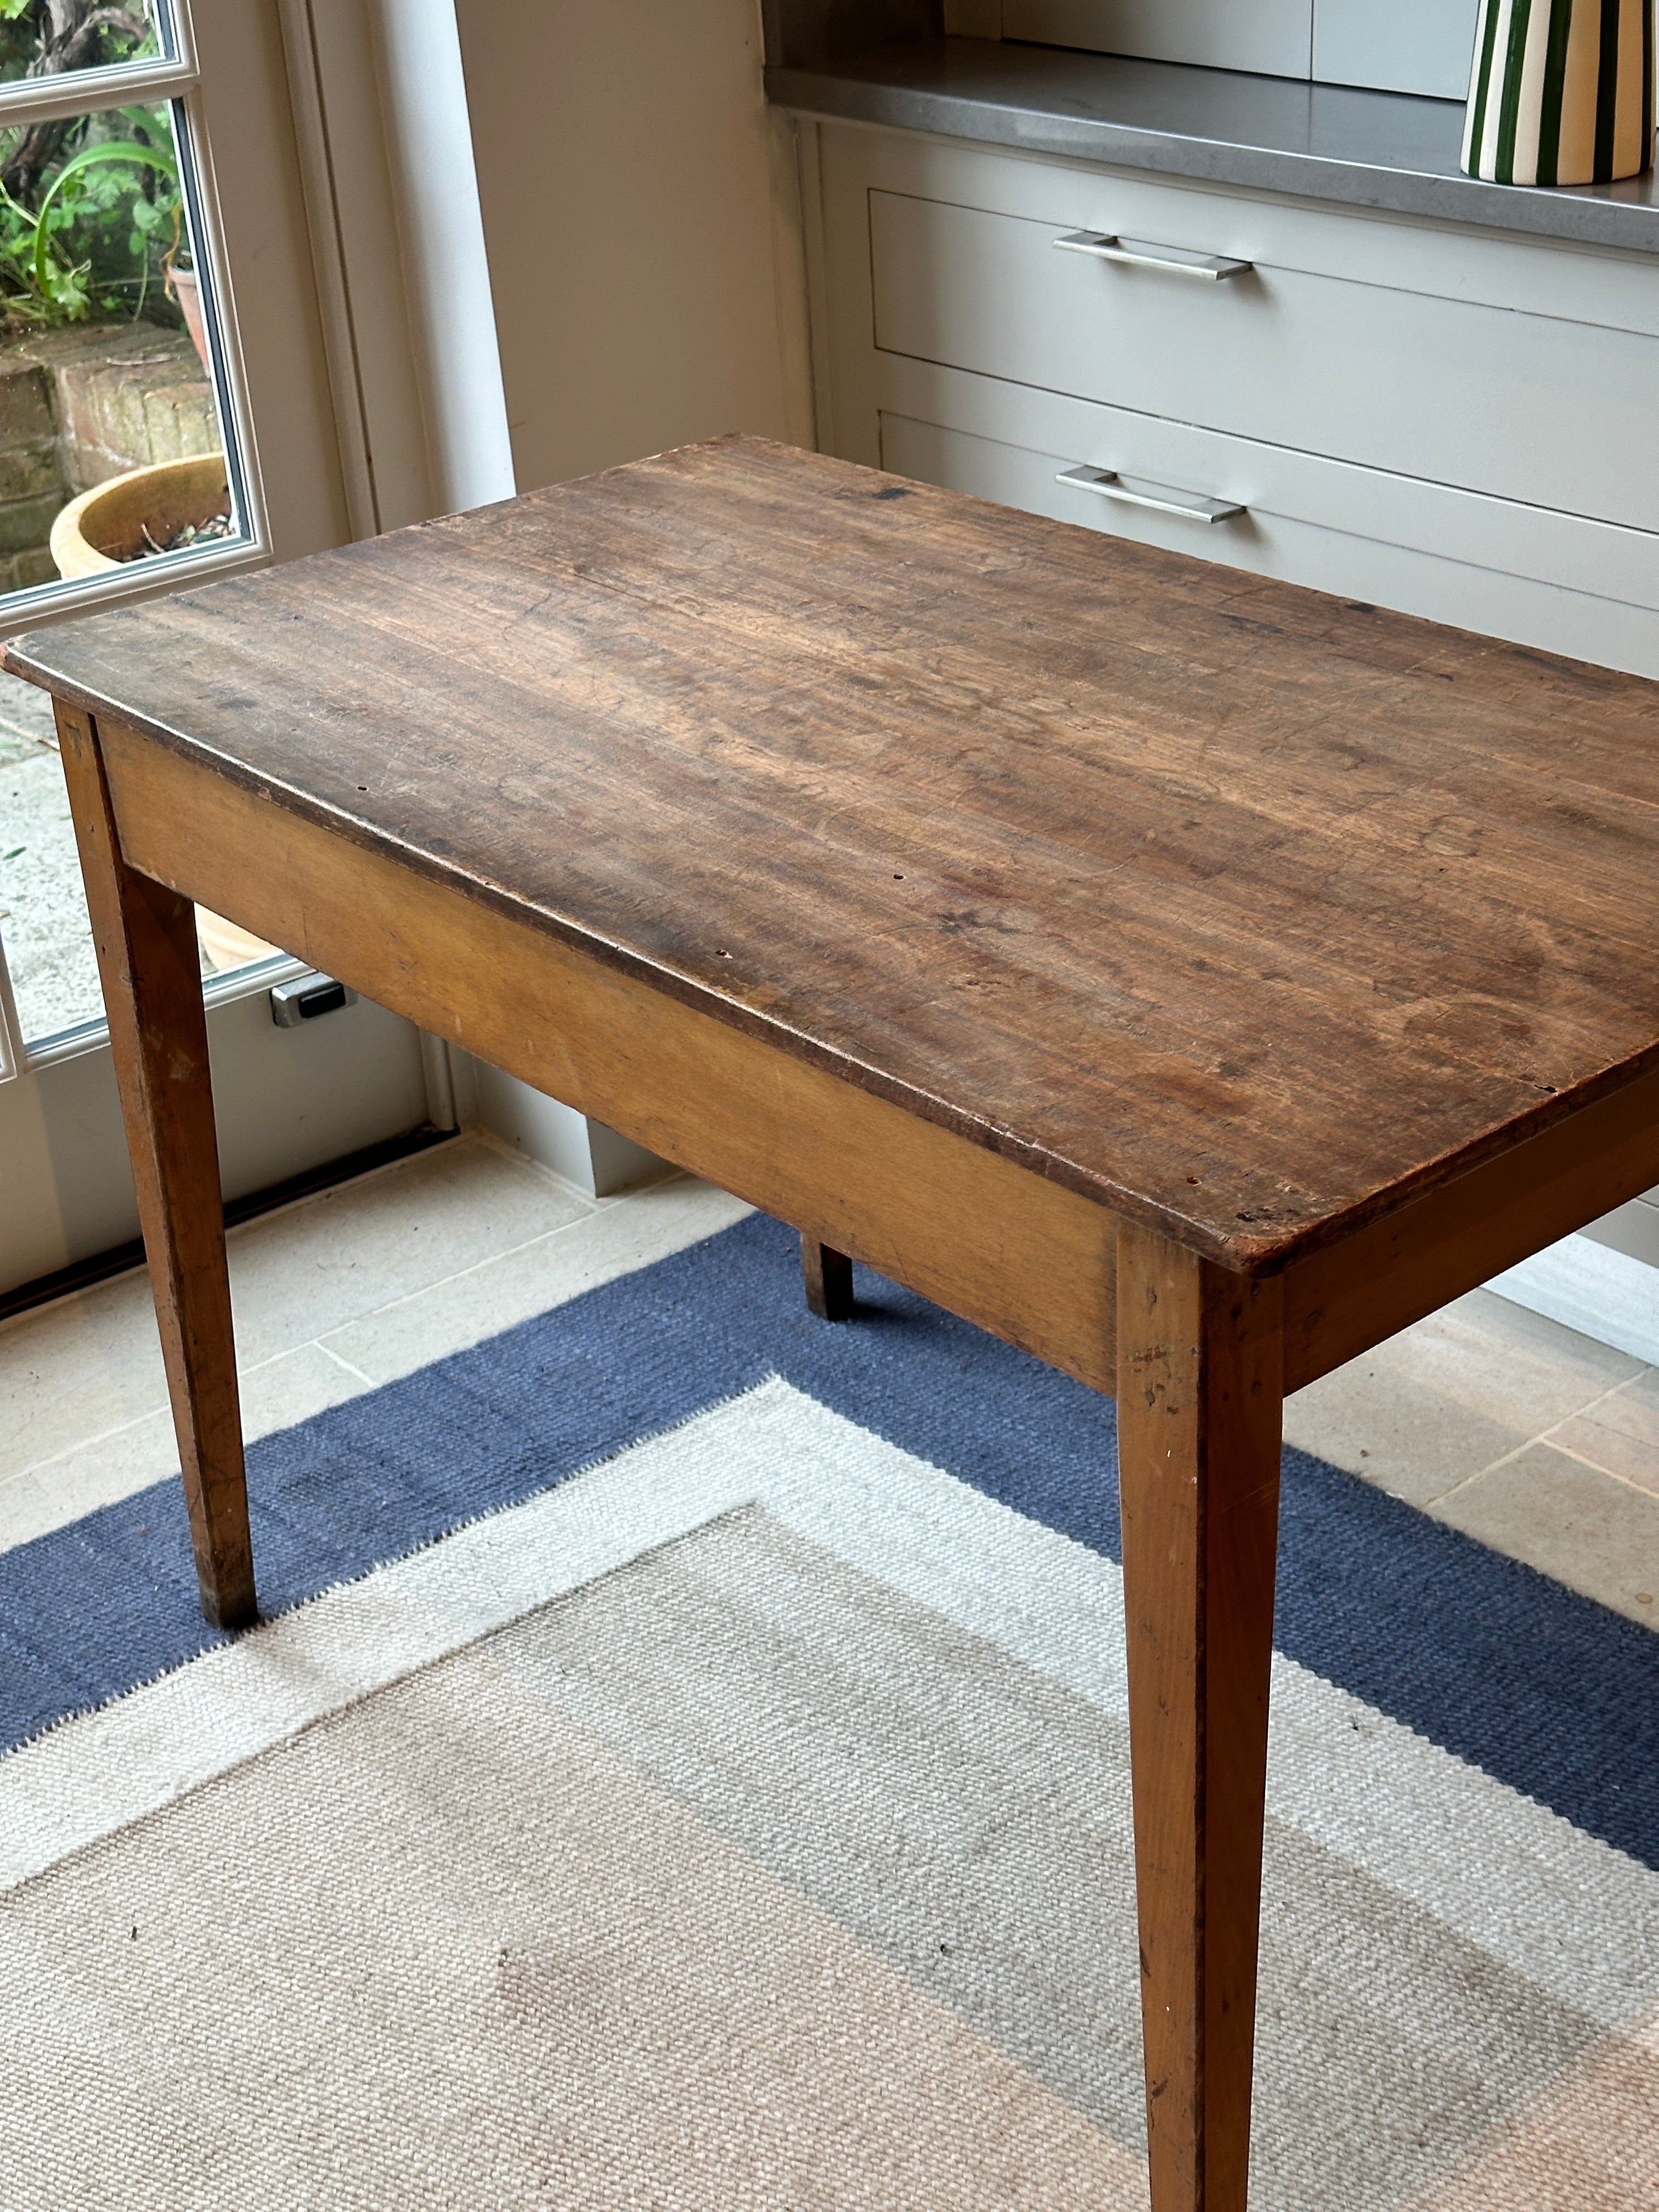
<point>174,77</point>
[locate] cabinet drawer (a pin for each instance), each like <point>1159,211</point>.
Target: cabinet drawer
<point>1451,556</point>
<point>1535,409</point>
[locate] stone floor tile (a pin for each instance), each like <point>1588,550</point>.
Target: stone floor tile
<point>1583,1527</point>
<point>1517,1368</point>
<point>1378,1422</point>
<point>1611,1445</point>
<point>92,1362</point>
<point>276,1395</point>
<point>1431,1406</point>
<point>365,1244</point>
<point>497,1294</point>
<point>76,1368</point>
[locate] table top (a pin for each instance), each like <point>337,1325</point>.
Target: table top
<point>1244,910</point>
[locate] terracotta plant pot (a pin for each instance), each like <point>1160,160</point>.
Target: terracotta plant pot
<point>186,287</point>
<point>106,526</point>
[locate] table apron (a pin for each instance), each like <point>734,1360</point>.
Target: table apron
<point>1340,1301</point>
<point>982,1236</point>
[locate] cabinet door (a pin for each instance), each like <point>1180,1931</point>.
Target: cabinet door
<point>1486,398</point>
<point>1273,37</point>
<point>1396,45</point>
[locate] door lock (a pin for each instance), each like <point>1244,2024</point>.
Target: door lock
<point>304,998</point>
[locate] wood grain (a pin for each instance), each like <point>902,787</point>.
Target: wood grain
<point>1200,1408</point>
<point>1186,978</point>
<point>1343,1299</point>
<point>826,1279</point>
<point>1023,1257</point>
<point>1245,912</point>
<point>145,936</point>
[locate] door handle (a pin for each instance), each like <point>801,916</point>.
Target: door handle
<point>1163,499</point>
<point>1137,253</point>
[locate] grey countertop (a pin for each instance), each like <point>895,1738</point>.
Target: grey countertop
<point>1371,150</point>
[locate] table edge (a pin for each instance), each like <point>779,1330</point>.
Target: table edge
<point>1249,1253</point>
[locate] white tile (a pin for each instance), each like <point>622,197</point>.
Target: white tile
<point>315,1267</point>
<point>77,1368</point>
<point>275,1395</point>
<point>625,1233</point>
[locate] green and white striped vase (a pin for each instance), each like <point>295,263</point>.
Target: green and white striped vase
<point>1561,93</point>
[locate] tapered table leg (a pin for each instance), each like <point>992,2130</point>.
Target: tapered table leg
<point>1199,1409</point>
<point>828,1275</point>
<point>145,936</point>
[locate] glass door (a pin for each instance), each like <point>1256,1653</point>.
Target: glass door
<point>160,336</point>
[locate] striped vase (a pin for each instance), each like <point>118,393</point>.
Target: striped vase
<point>1562,91</point>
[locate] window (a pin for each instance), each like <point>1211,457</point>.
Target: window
<point>120,457</point>
<point>123,460</point>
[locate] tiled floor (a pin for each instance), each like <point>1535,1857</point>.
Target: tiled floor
<point>1535,1440</point>
<point>333,1295</point>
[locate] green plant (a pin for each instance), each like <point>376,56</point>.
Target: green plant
<point>90,213</point>
<point>95,234</point>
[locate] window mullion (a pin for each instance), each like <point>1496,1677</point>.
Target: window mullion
<point>83,92</point>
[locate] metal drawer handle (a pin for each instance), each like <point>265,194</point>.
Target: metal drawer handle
<point>1212,267</point>
<point>1163,499</point>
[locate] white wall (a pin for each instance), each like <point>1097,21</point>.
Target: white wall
<point>644,242</point>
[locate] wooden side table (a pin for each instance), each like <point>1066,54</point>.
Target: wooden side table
<point>1190,979</point>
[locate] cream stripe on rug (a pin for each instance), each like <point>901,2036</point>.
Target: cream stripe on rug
<point>879,1719</point>
<point>1508,1872</point>
<point>447,1950</point>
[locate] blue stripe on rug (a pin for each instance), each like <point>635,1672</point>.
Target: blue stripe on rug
<point>1540,1687</point>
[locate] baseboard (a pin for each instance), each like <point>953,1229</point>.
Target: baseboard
<point>1589,1286</point>
<point>584,1153</point>
<point>121,1259</point>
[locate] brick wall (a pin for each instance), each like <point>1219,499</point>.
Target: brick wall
<point>80,406</point>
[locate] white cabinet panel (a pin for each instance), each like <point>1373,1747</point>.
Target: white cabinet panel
<point>1273,38</point>
<point>1396,45</point>
<point>1549,413</point>
<point>1336,498</point>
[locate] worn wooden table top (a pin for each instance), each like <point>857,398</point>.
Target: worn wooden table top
<point>1247,911</point>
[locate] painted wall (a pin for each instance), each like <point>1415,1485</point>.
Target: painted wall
<point>640,212</point>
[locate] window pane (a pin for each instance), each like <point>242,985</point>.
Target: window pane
<point>41,39</point>
<point>113,450</point>
<point>111,432</point>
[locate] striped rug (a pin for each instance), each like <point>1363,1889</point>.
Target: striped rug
<point>1561,92</point>
<point>687,1768</point>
